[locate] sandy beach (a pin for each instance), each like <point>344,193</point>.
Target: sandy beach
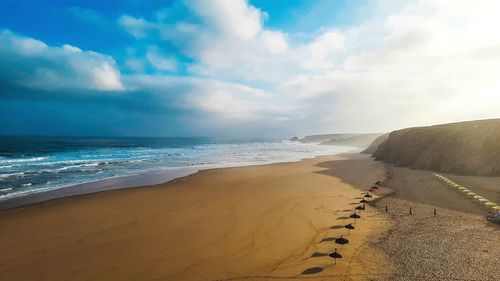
<point>228,140</point>
<point>265,222</point>
<point>456,244</point>
<point>249,223</point>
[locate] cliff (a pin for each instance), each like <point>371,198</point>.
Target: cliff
<point>466,148</point>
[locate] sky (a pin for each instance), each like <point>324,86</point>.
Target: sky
<point>237,68</point>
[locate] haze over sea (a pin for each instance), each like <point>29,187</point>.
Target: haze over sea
<point>34,164</point>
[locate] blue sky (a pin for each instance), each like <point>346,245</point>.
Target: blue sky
<point>243,68</point>
<point>92,25</point>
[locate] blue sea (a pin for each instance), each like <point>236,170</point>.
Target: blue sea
<point>34,164</point>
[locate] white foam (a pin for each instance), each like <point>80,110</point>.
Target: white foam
<point>6,176</point>
<point>17,160</point>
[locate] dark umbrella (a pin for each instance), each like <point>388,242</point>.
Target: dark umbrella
<point>360,208</point>
<point>355,216</point>
<point>368,195</point>
<point>341,240</point>
<point>377,183</point>
<point>375,187</point>
<point>335,255</point>
<point>349,227</point>
<point>363,201</point>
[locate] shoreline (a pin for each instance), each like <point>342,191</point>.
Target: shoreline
<point>102,185</point>
<point>126,182</point>
<point>257,222</point>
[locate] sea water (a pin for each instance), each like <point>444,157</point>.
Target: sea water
<point>34,164</point>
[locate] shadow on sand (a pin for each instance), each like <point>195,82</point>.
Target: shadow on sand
<point>313,270</point>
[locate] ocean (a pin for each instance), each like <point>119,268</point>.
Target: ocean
<point>35,164</point>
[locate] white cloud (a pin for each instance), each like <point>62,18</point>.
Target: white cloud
<point>135,64</point>
<point>230,18</point>
<point>30,62</point>
<point>106,77</point>
<point>138,27</point>
<point>323,50</point>
<point>159,61</point>
<point>409,64</point>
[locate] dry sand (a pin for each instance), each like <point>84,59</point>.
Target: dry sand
<point>457,244</point>
<point>252,223</point>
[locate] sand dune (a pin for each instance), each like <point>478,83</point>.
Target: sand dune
<point>466,148</point>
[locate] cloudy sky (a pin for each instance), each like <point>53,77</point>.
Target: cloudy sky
<point>245,68</point>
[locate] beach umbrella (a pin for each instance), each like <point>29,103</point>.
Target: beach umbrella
<point>341,240</point>
<point>490,204</point>
<point>360,208</point>
<point>349,227</point>
<point>363,201</point>
<point>368,195</point>
<point>378,183</point>
<point>477,197</point>
<point>462,188</point>
<point>355,216</point>
<point>335,255</point>
<point>496,208</point>
<point>484,200</point>
<point>374,187</point>
<point>471,194</point>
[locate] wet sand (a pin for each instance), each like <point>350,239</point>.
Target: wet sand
<point>248,223</point>
<point>94,187</point>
